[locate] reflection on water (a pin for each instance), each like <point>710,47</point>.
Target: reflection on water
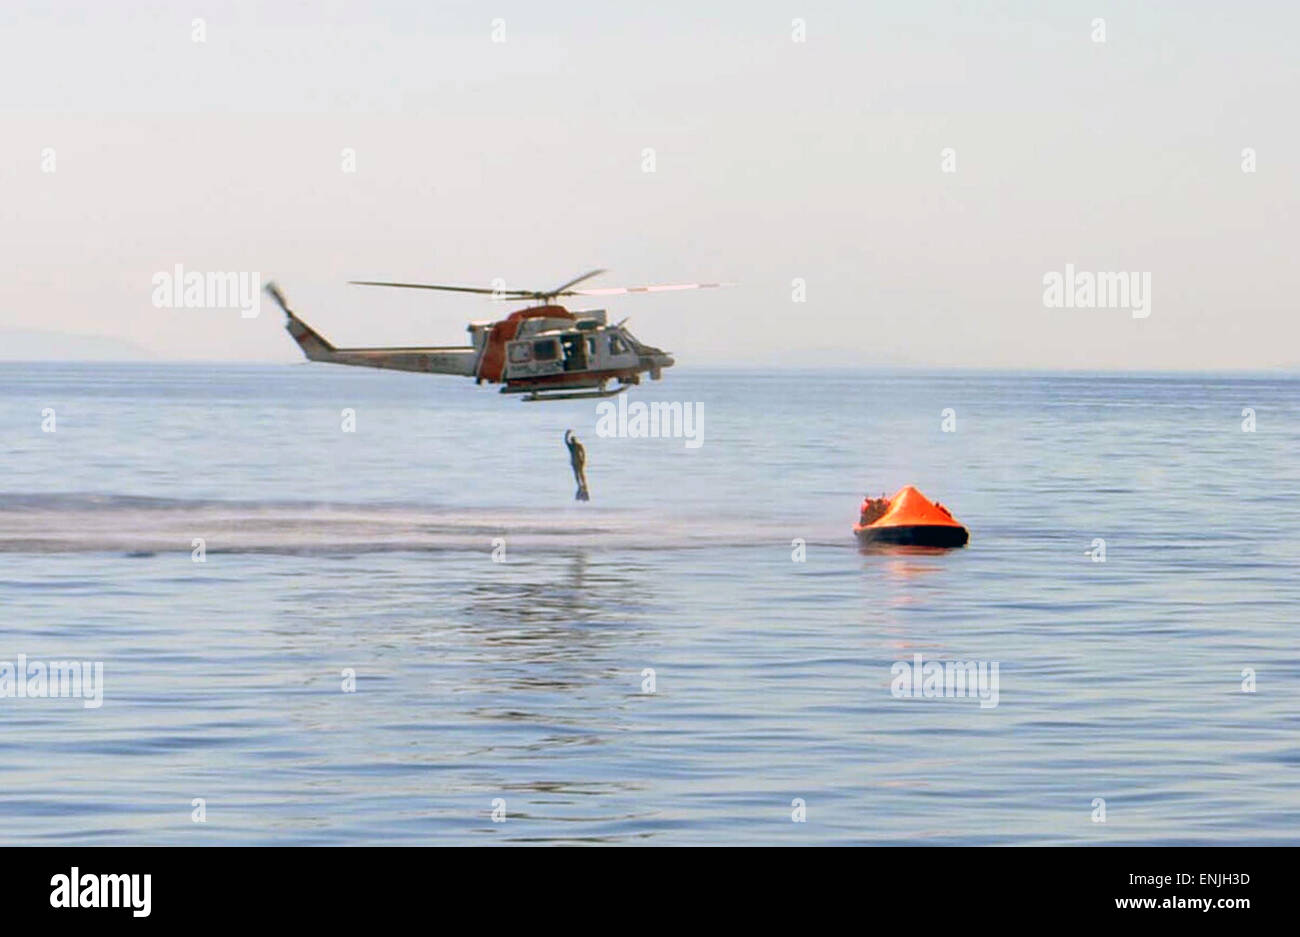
<point>555,611</point>
<point>561,590</point>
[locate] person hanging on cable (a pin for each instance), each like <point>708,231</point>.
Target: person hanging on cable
<point>578,459</point>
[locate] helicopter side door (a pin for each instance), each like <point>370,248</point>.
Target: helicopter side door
<point>534,357</point>
<point>576,348</point>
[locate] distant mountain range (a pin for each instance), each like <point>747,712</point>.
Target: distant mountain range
<point>60,346</point>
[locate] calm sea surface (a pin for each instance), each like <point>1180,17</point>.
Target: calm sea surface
<point>520,683</point>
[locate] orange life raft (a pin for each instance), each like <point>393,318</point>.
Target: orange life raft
<point>912,518</point>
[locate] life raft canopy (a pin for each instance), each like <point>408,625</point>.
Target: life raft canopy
<point>909,517</point>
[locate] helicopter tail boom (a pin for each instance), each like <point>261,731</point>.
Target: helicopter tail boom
<point>316,347</point>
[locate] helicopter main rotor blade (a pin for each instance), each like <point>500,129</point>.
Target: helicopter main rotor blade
<point>560,290</point>
<point>518,294</point>
<point>662,288</point>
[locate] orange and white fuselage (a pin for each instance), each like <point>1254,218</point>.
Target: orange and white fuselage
<point>544,351</point>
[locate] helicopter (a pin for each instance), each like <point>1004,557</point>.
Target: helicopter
<point>544,351</point>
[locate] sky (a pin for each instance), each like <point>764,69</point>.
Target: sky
<point>887,183</point>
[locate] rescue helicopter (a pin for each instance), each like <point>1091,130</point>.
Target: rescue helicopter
<point>544,351</point>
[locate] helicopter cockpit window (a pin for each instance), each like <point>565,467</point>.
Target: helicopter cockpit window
<point>617,346</point>
<point>546,350</point>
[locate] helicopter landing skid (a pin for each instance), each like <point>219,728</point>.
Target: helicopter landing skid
<point>536,395</point>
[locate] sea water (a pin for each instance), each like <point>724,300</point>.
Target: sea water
<point>343,606</point>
